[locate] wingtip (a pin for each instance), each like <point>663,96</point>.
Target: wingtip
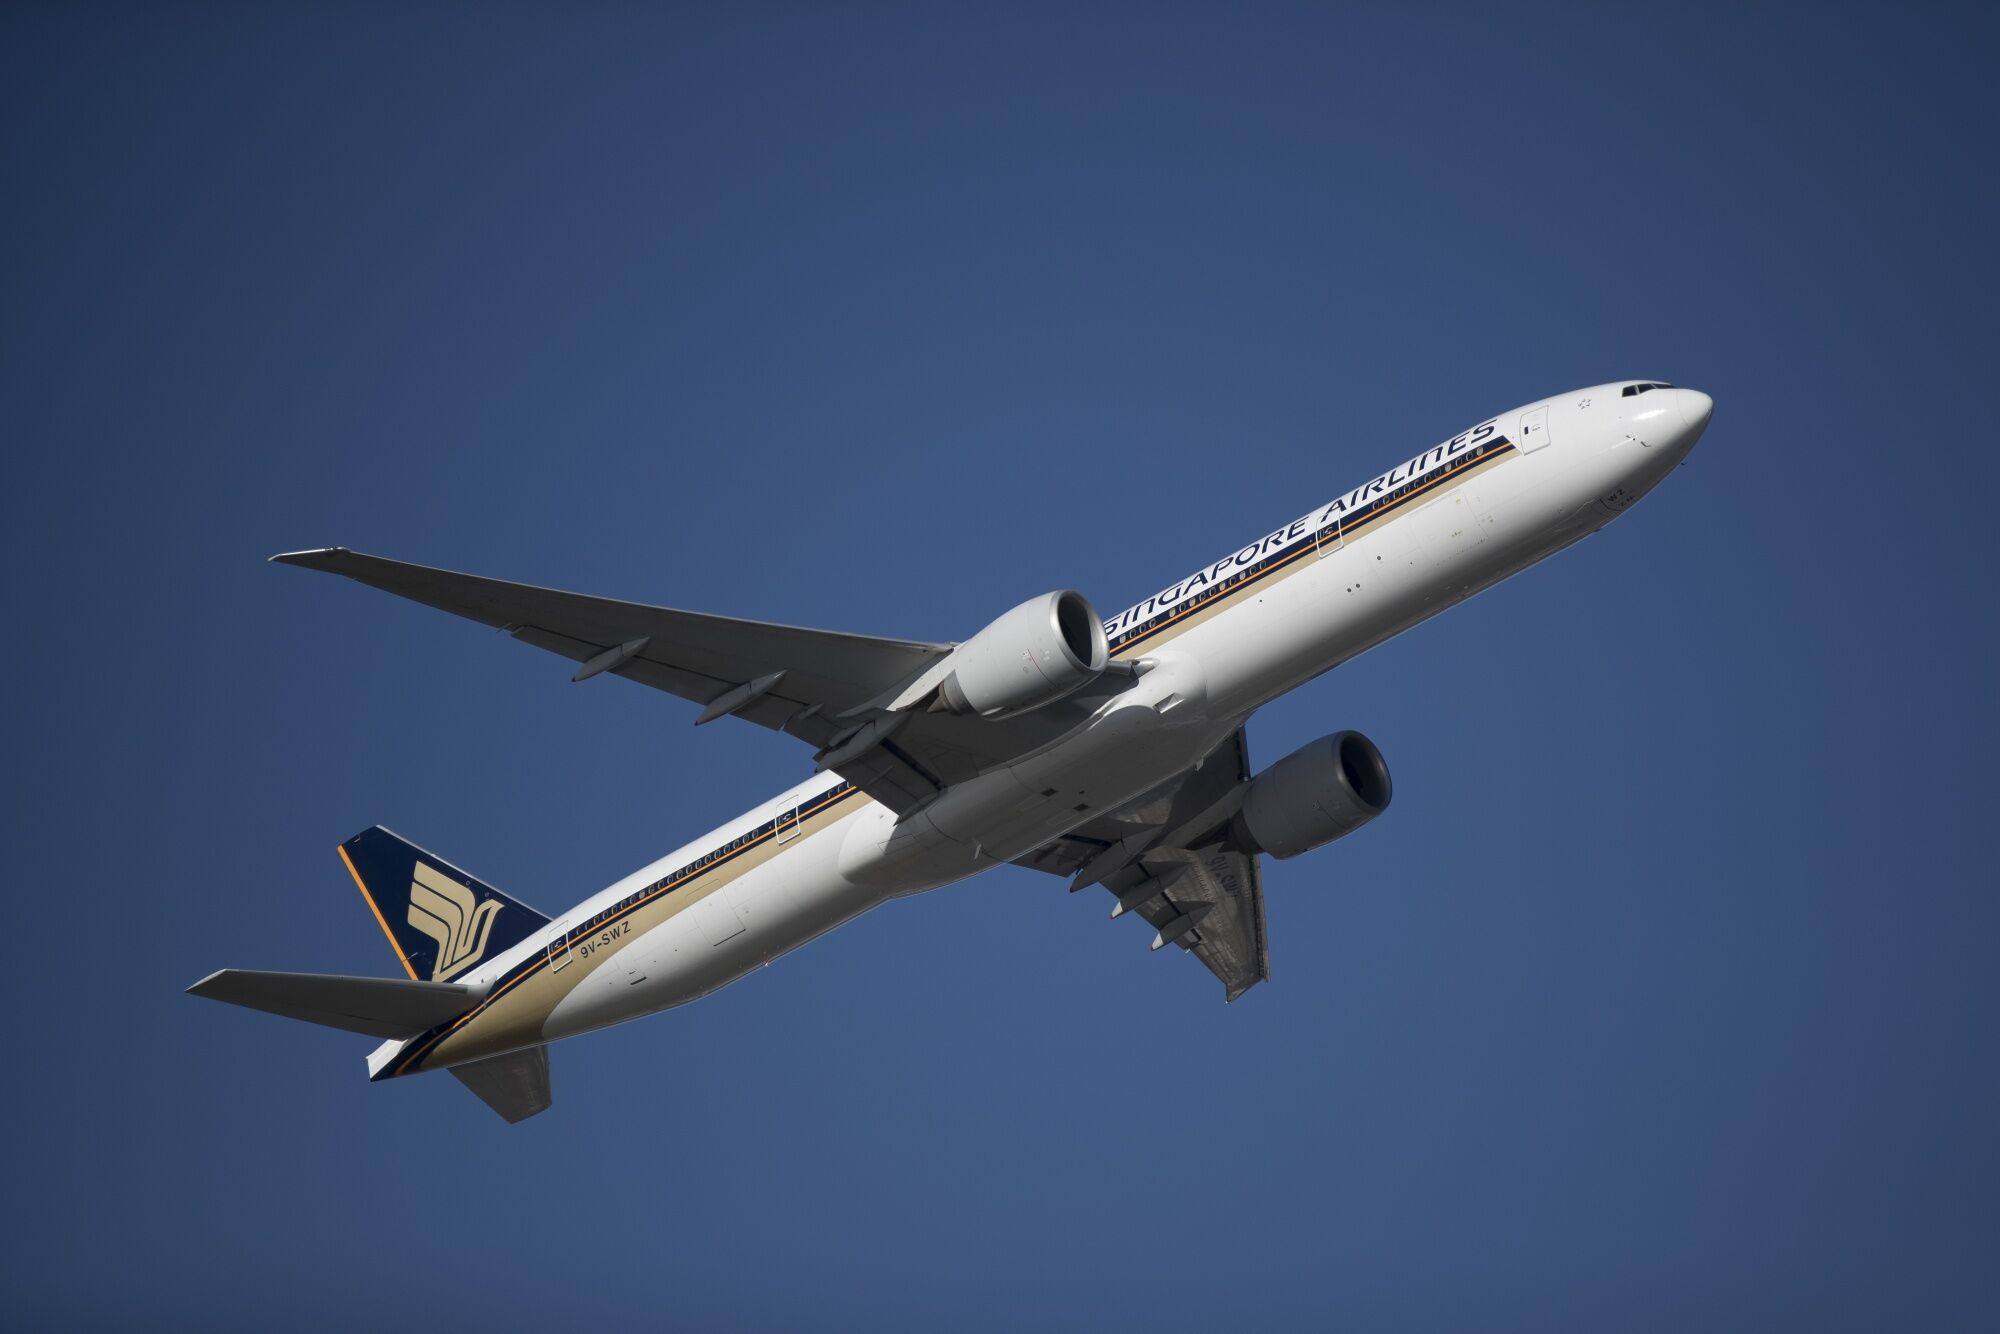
<point>310,558</point>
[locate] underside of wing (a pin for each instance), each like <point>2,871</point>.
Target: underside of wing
<point>1168,858</point>
<point>825,687</point>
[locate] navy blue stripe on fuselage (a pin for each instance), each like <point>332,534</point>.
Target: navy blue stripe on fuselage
<point>1340,525</point>
<point>623,908</point>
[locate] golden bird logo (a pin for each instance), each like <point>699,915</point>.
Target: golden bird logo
<point>448,913</point>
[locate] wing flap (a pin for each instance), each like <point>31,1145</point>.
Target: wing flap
<point>1169,865</point>
<point>1221,890</point>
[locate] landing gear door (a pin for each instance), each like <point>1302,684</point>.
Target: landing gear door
<point>719,916</point>
<point>1534,429</point>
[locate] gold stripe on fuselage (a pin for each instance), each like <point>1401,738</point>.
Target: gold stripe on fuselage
<point>514,1014</point>
<point>1197,613</point>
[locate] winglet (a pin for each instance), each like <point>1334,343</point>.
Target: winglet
<point>318,558</point>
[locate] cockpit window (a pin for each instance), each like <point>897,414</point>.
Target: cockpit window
<point>1631,389</point>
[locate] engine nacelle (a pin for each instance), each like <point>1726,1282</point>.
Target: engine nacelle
<point>1034,655</point>
<point>1321,791</point>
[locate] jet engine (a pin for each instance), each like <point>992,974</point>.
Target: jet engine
<point>1322,791</point>
<point>1033,655</point>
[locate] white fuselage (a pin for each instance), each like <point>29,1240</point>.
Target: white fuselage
<point>827,853</point>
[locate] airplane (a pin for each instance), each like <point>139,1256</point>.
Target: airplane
<point>1110,752</point>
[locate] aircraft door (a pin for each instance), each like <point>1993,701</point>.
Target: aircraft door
<point>1327,539</point>
<point>560,956</point>
<point>1534,429</point>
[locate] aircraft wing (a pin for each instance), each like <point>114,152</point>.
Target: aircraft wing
<point>821,686</point>
<point>1167,858</point>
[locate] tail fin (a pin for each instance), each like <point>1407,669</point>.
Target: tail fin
<point>440,920</point>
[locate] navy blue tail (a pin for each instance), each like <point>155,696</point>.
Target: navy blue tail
<point>441,921</point>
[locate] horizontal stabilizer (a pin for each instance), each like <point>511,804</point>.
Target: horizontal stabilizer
<point>382,1007</point>
<point>515,1085</point>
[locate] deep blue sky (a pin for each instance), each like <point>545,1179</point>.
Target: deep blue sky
<point>1663,997</point>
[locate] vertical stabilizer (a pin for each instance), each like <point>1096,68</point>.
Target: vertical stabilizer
<point>441,921</point>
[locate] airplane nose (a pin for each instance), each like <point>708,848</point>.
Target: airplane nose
<point>1664,418</point>
<point>1696,409</point>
